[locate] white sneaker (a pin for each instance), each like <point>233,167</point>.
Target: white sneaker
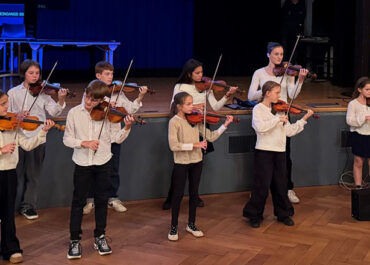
<point>292,196</point>
<point>195,231</point>
<point>16,258</point>
<point>117,206</point>
<point>88,207</point>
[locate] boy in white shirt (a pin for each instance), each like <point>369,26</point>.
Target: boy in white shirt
<point>92,155</point>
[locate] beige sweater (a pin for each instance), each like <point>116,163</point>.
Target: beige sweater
<point>182,136</point>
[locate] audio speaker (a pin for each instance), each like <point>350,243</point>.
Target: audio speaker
<point>361,204</point>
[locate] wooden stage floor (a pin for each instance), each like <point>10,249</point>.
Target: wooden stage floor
<point>157,105</point>
<point>324,233</point>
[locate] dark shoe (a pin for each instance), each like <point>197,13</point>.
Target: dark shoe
<point>286,220</point>
<point>30,214</point>
<point>173,235</point>
<point>255,223</point>
<point>200,203</point>
<point>101,245</point>
<point>75,250</point>
<point>166,205</point>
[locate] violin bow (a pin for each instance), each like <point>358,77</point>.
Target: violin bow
<point>108,108</point>
<point>205,105</point>
<point>286,69</point>
<point>124,81</point>
<point>24,99</point>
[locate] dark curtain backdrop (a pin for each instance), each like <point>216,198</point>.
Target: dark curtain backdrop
<point>156,34</point>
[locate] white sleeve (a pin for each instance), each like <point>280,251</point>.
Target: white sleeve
<point>216,105</point>
<point>69,138</point>
<point>254,93</point>
<point>30,143</point>
<point>130,106</point>
<point>52,107</point>
<point>295,128</point>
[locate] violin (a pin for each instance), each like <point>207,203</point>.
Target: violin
<point>217,86</point>
<point>115,115</point>
<point>281,106</point>
<point>211,118</point>
<point>49,89</point>
<point>368,102</point>
<point>293,70</point>
<point>128,87</point>
<point>10,122</point>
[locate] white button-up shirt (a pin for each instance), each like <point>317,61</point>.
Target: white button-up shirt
<point>43,103</point>
<point>80,127</point>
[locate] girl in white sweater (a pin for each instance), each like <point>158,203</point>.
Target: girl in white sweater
<point>289,89</point>
<point>270,158</point>
<point>358,117</point>
<point>184,143</point>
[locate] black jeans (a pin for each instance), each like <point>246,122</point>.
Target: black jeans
<point>270,172</point>
<point>179,175</point>
<point>8,191</point>
<point>115,179</point>
<point>84,179</point>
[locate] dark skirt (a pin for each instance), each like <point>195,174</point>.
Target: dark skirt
<point>360,144</point>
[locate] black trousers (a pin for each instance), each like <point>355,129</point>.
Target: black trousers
<point>289,165</point>
<point>270,172</point>
<point>115,179</point>
<point>8,191</point>
<point>179,175</point>
<point>84,179</point>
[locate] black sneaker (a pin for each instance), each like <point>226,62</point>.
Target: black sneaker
<point>255,222</point>
<point>75,250</point>
<point>101,245</point>
<point>30,214</point>
<point>286,220</point>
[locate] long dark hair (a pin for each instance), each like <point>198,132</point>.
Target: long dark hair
<point>361,83</point>
<point>179,98</point>
<point>187,70</point>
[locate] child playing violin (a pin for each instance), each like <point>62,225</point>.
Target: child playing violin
<point>10,247</point>
<point>192,72</point>
<point>184,142</point>
<point>289,87</point>
<point>270,158</point>
<point>91,141</point>
<point>358,118</point>
<point>30,162</point>
<point>104,72</point>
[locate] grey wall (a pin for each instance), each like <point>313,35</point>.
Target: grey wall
<point>146,161</point>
